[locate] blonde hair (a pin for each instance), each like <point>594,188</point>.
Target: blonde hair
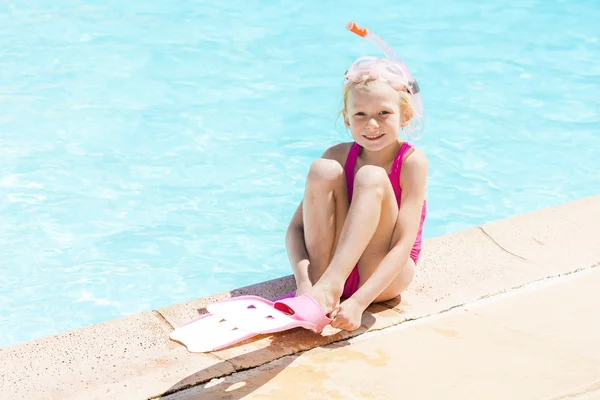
<point>407,104</point>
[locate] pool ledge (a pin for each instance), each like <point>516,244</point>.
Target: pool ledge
<point>132,357</point>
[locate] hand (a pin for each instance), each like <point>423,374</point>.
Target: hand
<point>348,316</point>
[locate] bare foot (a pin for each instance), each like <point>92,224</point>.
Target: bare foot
<point>326,295</point>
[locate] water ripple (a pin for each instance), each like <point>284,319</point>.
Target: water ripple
<point>153,152</point>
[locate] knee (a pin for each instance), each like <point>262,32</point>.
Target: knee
<point>324,172</point>
<point>371,178</point>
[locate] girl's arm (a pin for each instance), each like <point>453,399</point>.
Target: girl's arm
<point>296,249</point>
<point>413,182</point>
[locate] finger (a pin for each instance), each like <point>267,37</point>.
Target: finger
<point>334,313</point>
<point>343,323</point>
<point>335,323</point>
<point>343,327</point>
<point>340,321</point>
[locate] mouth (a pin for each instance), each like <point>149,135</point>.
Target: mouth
<point>373,137</point>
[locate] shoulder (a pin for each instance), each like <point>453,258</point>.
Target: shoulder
<point>338,152</point>
<point>416,159</point>
<point>415,167</point>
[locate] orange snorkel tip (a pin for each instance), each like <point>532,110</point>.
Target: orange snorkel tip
<point>354,28</point>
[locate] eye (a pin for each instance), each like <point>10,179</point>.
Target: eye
<point>384,112</point>
<point>360,114</point>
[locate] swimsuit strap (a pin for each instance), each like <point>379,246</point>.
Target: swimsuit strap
<point>397,165</point>
<point>395,171</point>
<point>349,167</point>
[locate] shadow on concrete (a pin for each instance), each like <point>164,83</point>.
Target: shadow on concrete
<point>243,382</point>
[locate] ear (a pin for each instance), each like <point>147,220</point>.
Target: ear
<point>346,120</point>
<point>406,117</point>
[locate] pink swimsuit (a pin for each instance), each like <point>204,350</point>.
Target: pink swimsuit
<point>351,285</point>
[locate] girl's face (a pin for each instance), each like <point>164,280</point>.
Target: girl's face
<point>373,115</point>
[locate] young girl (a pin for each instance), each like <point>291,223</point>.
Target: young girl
<point>356,235</point>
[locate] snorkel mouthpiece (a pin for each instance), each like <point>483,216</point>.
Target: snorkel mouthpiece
<point>354,28</point>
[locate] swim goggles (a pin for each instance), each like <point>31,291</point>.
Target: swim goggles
<point>368,68</point>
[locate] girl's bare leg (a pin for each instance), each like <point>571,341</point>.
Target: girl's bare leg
<point>365,236</point>
<point>324,210</point>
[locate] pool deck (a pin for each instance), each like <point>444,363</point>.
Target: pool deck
<point>504,310</point>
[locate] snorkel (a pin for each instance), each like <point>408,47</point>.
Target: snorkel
<point>390,54</point>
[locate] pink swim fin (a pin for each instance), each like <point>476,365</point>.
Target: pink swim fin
<point>237,319</point>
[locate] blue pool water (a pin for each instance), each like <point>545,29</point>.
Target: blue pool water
<point>153,152</point>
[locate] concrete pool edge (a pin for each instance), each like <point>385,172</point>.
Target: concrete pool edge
<point>524,344</point>
<point>132,357</point>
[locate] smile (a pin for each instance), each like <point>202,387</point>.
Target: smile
<point>373,137</point>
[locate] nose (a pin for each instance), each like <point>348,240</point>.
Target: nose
<point>372,123</point>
